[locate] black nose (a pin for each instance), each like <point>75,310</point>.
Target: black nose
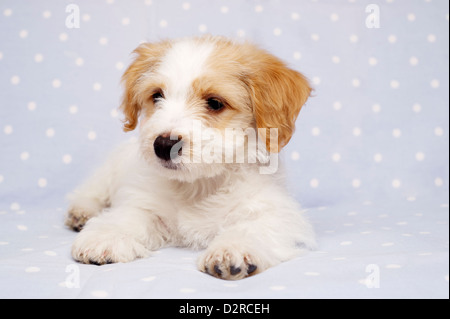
<point>166,148</point>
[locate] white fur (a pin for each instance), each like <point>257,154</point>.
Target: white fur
<point>133,205</point>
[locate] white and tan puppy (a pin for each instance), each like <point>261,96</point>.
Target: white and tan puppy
<point>212,116</point>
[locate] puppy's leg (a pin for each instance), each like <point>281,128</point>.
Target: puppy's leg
<point>96,193</point>
<point>251,247</point>
<point>120,235</point>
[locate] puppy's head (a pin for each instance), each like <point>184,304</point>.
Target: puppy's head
<point>198,100</point>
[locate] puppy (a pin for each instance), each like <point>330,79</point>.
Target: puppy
<point>212,116</point>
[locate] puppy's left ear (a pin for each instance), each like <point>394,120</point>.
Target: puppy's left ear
<point>147,58</point>
<point>278,94</point>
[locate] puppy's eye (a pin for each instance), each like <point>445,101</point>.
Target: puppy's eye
<point>156,97</point>
<point>215,104</point>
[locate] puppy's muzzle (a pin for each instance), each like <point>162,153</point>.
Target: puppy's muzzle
<point>167,148</point>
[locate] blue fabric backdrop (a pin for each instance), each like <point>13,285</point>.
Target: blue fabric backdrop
<point>370,157</point>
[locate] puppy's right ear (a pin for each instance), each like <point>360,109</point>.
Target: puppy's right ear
<point>147,58</point>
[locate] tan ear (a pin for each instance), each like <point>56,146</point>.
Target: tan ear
<point>278,94</point>
<point>147,58</point>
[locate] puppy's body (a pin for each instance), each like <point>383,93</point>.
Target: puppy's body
<point>141,200</point>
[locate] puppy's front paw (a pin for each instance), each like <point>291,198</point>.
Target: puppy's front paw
<point>229,264</point>
<point>105,246</point>
<point>80,212</point>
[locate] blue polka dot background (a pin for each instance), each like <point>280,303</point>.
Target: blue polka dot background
<point>369,159</point>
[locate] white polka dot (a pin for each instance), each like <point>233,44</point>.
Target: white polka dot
<point>56,83</point>
<point>393,266</point>
<point>42,182</point>
<point>125,21</point>
<point>431,38</point>
<point>397,133</point>
<point>414,61</point>
<point>396,183</point>
<point>356,83</point>
<point>439,131</point>
<point>435,84</point>
<point>31,106</point>
<point>187,290</point>
<point>392,39</point>
<point>99,294</point>
<point>387,244</point>
<point>114,113</point>
<point>1,56</point>
<point>336,157</point>
<point>14,206</point>
<point>411,17</point>
<point>23,34</point>
<point>376,108</point>
<point>202,28</point>
<point>337,105</point>
<point>395,84</point>
<point>46,14</point>
<point>7,12</point>
<point>22,227</point>
<point>79,61</point>
<point>417,108</point>
<point>295,16</point>
<point>103,41</point>
<point>73,109</point>
<point>277,288</point>
<point>354,38</point>
<point>315,37</point>
<point>334,17</point>
<point>259,9</point>
<point>8,129</point>
<point>67,159</point>
<point>420,156</point>
<point>439,182</point>
<point>163,23</point>
<point>315,131</point>
<point>277,31</point>
<point>15,80</point>
<point>356,183</point>
<point>148,279</point>
<point>97,86</point>
<point>312,274</point>
<point>295,156</point>
<point>63,37</point>
<point>378,158</point>
<point>224,9</point>
<point>148,2</point>
<point>86,17</point>
<point>1,178</point>
<point>92,135</point>
<point>314,183</point>
<point>32,269</point>
<point>336,59</point>
<point>50,132</point>
<point>297,55</point>
<point>357,131</point>
<point>38,58</point>
<point>411,198</point>
<point>316,80</point>
<point>346,243</point>
<point>446,278</point>
<point>240,33</point>
<point>50,253</point>
<point>120,66</point>
<point>186,5</point>
<point>24,156</point>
